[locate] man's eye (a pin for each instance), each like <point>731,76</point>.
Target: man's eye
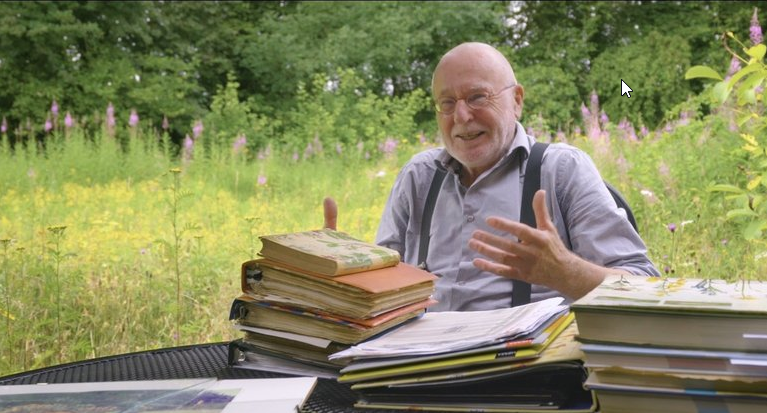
<point>447,103</point>
<point>478,99</point>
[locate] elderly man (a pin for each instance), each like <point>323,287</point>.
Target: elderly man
<point>478,246</point>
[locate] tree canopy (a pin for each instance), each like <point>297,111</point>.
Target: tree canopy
<point>170,59</point>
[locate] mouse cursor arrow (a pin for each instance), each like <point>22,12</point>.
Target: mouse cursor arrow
<point>625,89</point>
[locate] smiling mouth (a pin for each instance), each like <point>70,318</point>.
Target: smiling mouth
<point>469,136</point>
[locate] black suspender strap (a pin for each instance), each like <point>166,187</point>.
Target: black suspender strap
<point>521,290</point>
<point>521,293</point>
<point>428,211</point>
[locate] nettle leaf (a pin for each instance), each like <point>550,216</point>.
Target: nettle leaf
<point>757,52</point>
<point>699,71</point>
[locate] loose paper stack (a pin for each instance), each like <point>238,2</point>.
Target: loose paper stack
<point>508,360</point>
<point>669,344</point>
<point>316,292</point>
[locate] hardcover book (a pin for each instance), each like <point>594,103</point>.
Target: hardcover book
<point>678,313</point>
<point>326,252</point>
<point>360,295</point>
<point>262,314</point>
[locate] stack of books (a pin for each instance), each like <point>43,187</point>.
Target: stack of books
<point>508,360</point>
<point>675,345</point>
<point>315,293</point>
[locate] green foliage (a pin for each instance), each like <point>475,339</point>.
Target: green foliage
<point>230,118</point>
<point>549,92</point>
<point>653,66</point>
<point>339,111</point>
<point>747,108</point>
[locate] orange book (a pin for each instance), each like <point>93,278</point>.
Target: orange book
<point>361,295</point>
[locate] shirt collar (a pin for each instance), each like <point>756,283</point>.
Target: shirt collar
<point>522,143</point>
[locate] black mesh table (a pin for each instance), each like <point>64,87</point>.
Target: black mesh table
<point>186,362</point>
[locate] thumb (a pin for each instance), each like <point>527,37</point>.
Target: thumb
<point>541,211</point>
<point>331,212</point>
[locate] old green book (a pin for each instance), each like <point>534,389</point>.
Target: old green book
<point>326,252</point>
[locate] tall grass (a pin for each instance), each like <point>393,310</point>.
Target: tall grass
<point>129,281</point>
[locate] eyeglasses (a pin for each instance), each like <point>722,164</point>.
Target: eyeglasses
<point>446,106</point>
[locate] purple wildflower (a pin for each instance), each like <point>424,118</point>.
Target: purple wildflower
<point>585,112</point>
<point>4,126</point>
<point>644,131</point>
<point>666,269</point>
<point>239,144</point>
<point>389,146</point>
<point>734,66</point>
<point>261,180</point>
<point>594,101</point>
<point>188,149</point>
<point>133,119</point>
<point>684,118</point>
<point>165,124</point>
<point>48,125</point>
<point>110,115</point>
<point>577,130</point>
<point>603,118</point>
<point>68,121</point>
<point>756,30</point>
<point>339,148</point>
<point>55,108</point>
<point>671,227</point>
<point>295,156</point>
<point>197,129</point>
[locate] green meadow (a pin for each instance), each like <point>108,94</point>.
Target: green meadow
<point>124,230</point>
<point>116,244</point>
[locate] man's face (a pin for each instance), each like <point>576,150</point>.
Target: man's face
<point>477,137</point>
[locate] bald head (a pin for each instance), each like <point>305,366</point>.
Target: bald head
<point>476,57</point>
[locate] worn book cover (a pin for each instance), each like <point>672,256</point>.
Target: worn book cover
<point>627,398</point>
<point>664,359</point>
<point>249,312</point>
<point>674,312</point>
<point>326,252</point>
<point>359,295</point>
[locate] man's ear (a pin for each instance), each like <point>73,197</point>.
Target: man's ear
<point>519,98</point>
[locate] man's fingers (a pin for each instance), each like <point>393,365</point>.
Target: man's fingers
<point>331,212</point>
<point>541,211</point>
<point>496,268</point>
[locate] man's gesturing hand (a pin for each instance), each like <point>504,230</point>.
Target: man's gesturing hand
<point>539,257</point>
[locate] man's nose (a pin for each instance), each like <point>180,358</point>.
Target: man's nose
<point>462,112</point>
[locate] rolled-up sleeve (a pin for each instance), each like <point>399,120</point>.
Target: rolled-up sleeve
<point>588,218</point>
